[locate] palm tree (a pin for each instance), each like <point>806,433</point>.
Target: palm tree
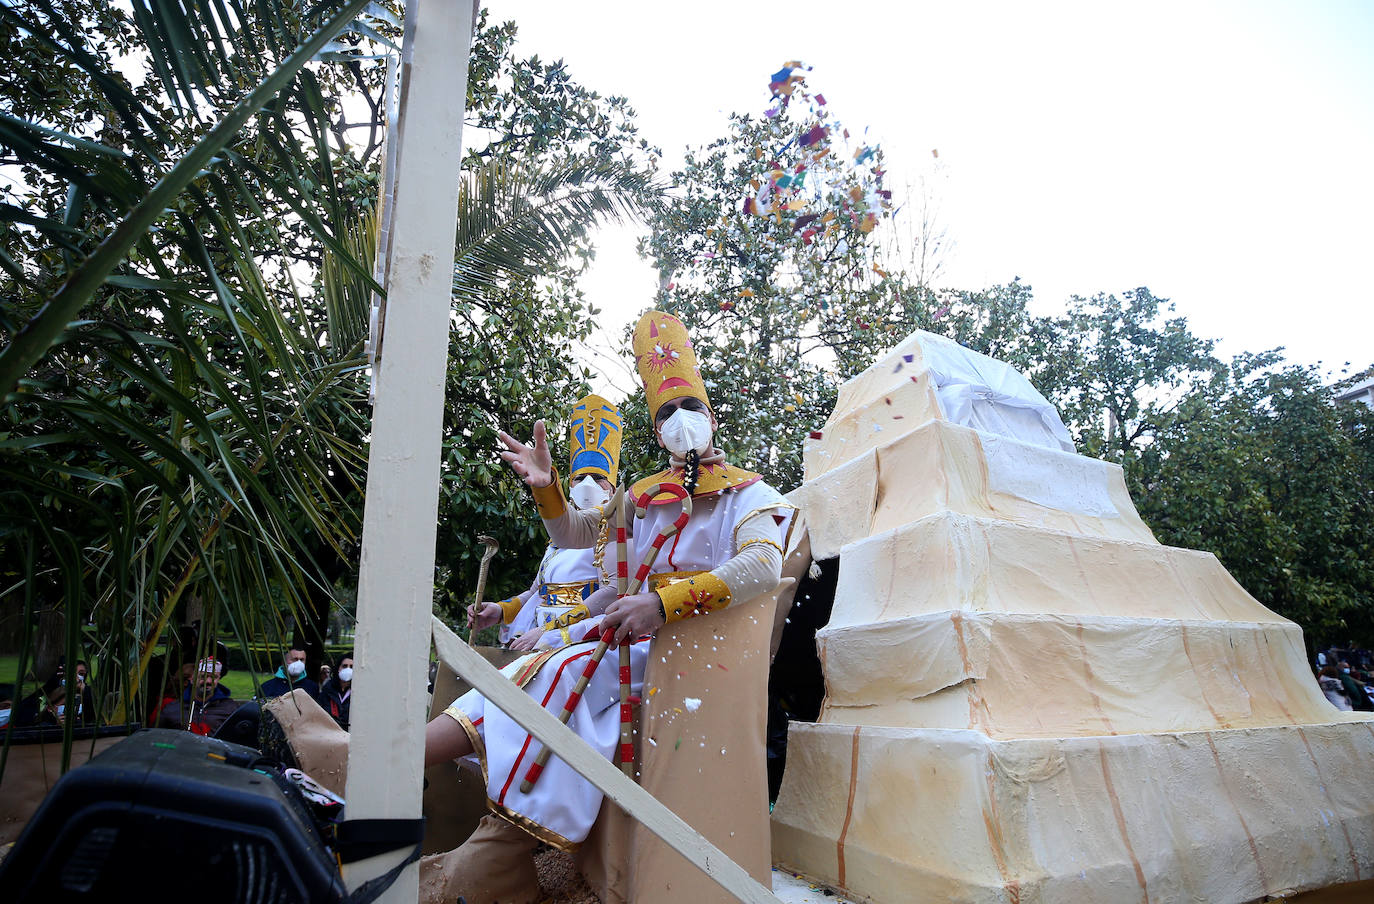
<point>184,420</point>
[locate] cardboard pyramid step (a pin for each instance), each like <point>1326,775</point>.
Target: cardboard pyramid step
<point>1028,697</point>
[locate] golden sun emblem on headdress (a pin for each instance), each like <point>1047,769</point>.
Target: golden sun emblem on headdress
<point>666,360</point>
<point>662,356</point>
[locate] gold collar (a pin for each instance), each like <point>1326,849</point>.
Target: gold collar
<point>713,479</point>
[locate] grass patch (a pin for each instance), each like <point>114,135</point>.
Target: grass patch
<point>9,668</point>
<point>241,685</point>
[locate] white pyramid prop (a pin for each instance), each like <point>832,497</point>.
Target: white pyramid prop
<point>1029,699</point>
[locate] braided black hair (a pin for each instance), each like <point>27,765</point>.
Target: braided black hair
<point>691,471</point>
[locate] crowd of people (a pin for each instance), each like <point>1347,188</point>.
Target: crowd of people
<point>1345,677</point>
<point>204,704</point>
<point>194,697</point>
<point>55,701</point>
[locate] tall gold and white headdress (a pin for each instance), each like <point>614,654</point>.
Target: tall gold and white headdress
<point>666,361</point>
<point>594,439</point>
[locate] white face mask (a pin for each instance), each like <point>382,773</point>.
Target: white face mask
<point>685,431</point>
<point>587,493</point>
<point>346,673</point>
<point>296,669</point>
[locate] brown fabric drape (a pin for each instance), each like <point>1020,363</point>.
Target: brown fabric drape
<point>705,760</point>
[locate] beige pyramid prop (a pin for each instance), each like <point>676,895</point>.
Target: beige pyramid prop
<point>1029,699</point>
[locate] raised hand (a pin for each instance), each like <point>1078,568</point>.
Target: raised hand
<point>532,462</point>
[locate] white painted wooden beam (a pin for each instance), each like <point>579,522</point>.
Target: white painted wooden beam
<point>396,577</point>
<point>574,751</point>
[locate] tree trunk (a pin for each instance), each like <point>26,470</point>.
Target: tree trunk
<point>312,631</point>
<point>49,640</point>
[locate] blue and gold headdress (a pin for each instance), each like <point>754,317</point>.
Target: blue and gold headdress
<point>595,439</point>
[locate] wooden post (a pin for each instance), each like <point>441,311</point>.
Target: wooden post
<point>386,197</point>
<point>395,583</point>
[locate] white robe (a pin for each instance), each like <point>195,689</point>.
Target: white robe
<point>562,806</point>
<point>559,566</point>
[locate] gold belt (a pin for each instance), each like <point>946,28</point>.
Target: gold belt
<point>567,594</point>
<point>664,578</point>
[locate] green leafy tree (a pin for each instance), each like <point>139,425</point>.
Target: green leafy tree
<point>1268,473</point>
<point>177,443</point>
<point>765,243</point>
<point>1124,370</point>
<point>522,108</point>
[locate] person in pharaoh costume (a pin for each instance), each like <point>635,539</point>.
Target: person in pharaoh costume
<point>699,636</point>
<point>546,613</point>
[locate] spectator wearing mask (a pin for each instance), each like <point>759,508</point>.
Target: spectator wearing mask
<point>1359,700</point>
<point>337,695</point>
<point>203,705</point>
<point>171,688</point>
<point>48,706</point>
<point>1329,681</point>
<point>45,706</point>
<point>290,675</point>
<point>82,698</point>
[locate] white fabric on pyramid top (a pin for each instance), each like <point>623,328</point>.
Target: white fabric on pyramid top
<point>985,394</point>
<point>1026,450</point>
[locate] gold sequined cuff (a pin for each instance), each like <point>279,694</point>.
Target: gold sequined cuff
<point>549,499</point>
<point>509,609</point>
<point>695,596</point>
<point>571,617</point>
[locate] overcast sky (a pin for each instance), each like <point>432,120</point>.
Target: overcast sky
<point>1221,154</point>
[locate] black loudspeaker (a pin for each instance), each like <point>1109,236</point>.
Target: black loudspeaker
<point>242,726</point>
<point>170,813</point>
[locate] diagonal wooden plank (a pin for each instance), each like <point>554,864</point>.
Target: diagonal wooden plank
<point>566,745</point>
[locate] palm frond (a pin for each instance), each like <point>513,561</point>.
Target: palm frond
<point>193,436</point>
<point>516,221</point>
<point>348,299</point>
<point>31,342</point>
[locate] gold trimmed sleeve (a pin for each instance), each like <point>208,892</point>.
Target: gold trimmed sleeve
<point>479,747</point>
<point>756,566</point>
<point>777,508</point>
<point>550,501</point>
<point>548,836</point>
<point>510,608</point>
<point>697,595</point>
<point>761,540</point>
